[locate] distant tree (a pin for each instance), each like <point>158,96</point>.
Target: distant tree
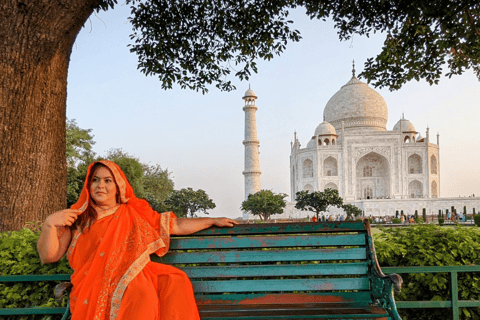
<point>131,166</point>
<point>352,210</point>
<point>264,204</point>
<point>149,182</point>
<point>79,154</point>
<point>318,201</point>
<point>187,202</point>
<point>157,185</point>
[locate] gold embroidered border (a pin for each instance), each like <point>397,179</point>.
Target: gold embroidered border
<point>107,213</point>
<point>76,234</point>
<point>131,273</point>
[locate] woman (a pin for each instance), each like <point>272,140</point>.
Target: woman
<point>108,236</point>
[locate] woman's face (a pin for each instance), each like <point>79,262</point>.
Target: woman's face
<point>103,189</point>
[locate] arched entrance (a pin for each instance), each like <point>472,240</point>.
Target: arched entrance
<point>373,177</point>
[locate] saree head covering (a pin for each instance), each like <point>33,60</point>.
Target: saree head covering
<point>109,254</point>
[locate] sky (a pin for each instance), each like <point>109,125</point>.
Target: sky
<point>198,138</point>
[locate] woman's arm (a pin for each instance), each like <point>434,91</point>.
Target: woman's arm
<point>50,246</point>
<point>184,226</point>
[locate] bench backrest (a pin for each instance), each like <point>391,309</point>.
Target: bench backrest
<point>276,263</point>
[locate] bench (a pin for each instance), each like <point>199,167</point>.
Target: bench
<point>14,312</point>
<point>325,270</point>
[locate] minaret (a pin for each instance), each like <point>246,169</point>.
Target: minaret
<point>252,161</point>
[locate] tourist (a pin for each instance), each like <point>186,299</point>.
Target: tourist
<point>108,236</point>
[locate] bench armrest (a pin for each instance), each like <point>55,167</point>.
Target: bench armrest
<point>382,286</point>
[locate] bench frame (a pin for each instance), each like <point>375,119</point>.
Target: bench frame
<point>381,286</point>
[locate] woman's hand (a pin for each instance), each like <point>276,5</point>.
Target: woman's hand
<point>224,222</point>
<point>184,226</point>
<point>52,245</point>
<point>62,218</point>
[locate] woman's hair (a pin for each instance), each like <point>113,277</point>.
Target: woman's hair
<point>89,216</point>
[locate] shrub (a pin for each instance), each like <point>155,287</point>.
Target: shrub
<point>430,245</point>
<point>476,218</point>
<point>441,221</point>
<point>19,256</point>
<point>396,220</point>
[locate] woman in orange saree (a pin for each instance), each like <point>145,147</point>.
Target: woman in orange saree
<point>108,236</point>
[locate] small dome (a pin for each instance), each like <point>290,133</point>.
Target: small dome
<point>325,129</point>
<point>249,94</point>
<point>311,144</point>
<point>359,106</point>
<point>407,126</point>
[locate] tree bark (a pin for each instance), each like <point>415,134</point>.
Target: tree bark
<point>36,39</point>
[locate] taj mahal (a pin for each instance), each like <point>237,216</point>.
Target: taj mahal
<point>352,151</point>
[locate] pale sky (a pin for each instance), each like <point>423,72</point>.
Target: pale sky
<point>199,137</point>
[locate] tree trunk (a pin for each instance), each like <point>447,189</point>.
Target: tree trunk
<point>36,39</point>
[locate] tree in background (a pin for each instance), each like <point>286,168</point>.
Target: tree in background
<point>352,210</point>
<point>187,202</point>
<point>132,168</point>
<point>79,154</point>
<point>318,201</point>
<point>194,43</point>
<point>264,204</point>
<point>149,182</point>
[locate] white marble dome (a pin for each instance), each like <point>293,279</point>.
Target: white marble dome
<point>324,129</point>
<point>359,106</point>
<point>407,126</point>
<point>311,144</point>
<point>249,93</point>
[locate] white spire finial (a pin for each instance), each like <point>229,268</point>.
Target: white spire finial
<point>353,69</point>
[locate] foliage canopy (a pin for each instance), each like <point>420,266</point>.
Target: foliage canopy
<point>318,201</point>
<point>149,182</point>
<point>195,43</point>
<point>264,204</point>
<point>187,202</point>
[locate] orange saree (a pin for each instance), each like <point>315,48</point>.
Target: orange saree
<point>113,276</point>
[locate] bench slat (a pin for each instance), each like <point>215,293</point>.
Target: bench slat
<point>270,242</point>
<point>333,309</point>
<point>279,228</point>
<point>35,277</point>
<point>277,270</point>
<point>19,311</point>
<point>363,297</point>
<point>282,285</point>
<point>234,256</point>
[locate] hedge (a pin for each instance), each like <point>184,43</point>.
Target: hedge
<point>430,245</point>
<point>19,256</point>
<point>418,245</point>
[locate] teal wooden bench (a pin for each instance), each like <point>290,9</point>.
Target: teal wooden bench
<point>326,270</point>
<point>14,312</point>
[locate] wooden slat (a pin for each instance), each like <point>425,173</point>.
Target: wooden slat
<point>281,285</point>
<point>36,277</point>
<point>235,256</point>
<point>331,310</point>
<point>277,270</point>
<point>363,297</point>
<point>280,228</point>
<point>315,240</point>
<point>25,311</point>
